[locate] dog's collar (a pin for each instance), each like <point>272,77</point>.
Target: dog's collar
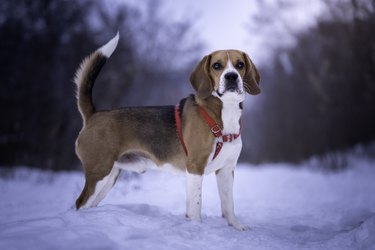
<point>215,129</point>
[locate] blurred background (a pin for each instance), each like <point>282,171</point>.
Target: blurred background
<point>316,59</point>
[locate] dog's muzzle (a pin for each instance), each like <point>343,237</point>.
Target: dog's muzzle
<point>231,82</point>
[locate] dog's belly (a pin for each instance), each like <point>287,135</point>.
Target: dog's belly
<point>227,157</point>
<point>143,164</point>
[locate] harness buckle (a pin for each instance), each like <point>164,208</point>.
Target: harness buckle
<point>230,137</point>
<point>216,130</point>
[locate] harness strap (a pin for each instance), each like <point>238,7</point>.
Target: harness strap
<point>216,130</point>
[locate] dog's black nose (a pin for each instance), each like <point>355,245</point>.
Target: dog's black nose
<point>231,76</point>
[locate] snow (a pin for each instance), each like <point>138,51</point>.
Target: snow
<point>287,207</point>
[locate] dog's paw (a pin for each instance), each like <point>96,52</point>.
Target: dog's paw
<point>193,217</point>
<point>239,226</point>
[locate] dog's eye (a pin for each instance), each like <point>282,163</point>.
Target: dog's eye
<point>216,66</point>
<point>240,65</point>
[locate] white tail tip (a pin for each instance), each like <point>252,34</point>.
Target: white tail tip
<point>108,48</point>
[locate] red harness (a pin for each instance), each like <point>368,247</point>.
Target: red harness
<point>215,129</point>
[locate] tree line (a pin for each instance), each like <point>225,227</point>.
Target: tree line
<point>43,43</point>
<point>319,95</point>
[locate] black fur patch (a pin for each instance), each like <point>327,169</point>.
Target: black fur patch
<point>154,127</point>
<point>93,73</point>
<point>183,101</point>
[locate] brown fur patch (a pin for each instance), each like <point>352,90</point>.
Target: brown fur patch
<point>197,134</point>
<point>84,79</point>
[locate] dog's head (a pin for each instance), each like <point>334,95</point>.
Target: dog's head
<point>225,72</point>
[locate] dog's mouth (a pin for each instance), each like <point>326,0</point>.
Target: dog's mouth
<point>232,86</point>
<point>232,89</point>
<point>220,94</point>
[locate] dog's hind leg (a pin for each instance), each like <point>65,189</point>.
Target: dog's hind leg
<point>103,187</point>
<point>96,188</point>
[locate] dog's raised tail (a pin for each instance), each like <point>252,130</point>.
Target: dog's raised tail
<point>86,75</point>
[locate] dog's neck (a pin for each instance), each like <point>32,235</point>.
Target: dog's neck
<point>225,109</point>
<point>213,105</point>
<point>231,112</point>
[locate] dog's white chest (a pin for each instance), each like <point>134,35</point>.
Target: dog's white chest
<point>228,156</point>
<point>231,114</point>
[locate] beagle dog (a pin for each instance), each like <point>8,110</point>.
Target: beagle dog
<point>199,136</point>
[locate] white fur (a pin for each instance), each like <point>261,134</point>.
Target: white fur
<point>108,48</point>
<point>102,188</point>
<point>231,112</point>
<point>194,196</point>
<point>225,162</point>
<point>228,156</point>
<point>143,164</point>
<point>224,180</point>
<point>140,166</point>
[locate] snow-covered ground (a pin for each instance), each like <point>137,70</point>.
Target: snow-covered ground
<point>287,207</point>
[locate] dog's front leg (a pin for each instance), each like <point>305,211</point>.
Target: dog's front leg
<point>224,179</point>
<point>194,196</point>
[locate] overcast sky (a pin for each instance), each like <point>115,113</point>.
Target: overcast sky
<point>221,23</point>
<point>225,24</point>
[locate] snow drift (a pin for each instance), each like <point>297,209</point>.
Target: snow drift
<point>286,207</point>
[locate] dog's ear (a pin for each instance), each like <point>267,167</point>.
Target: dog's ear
<point>200,78</point>
<point>251,78</point>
